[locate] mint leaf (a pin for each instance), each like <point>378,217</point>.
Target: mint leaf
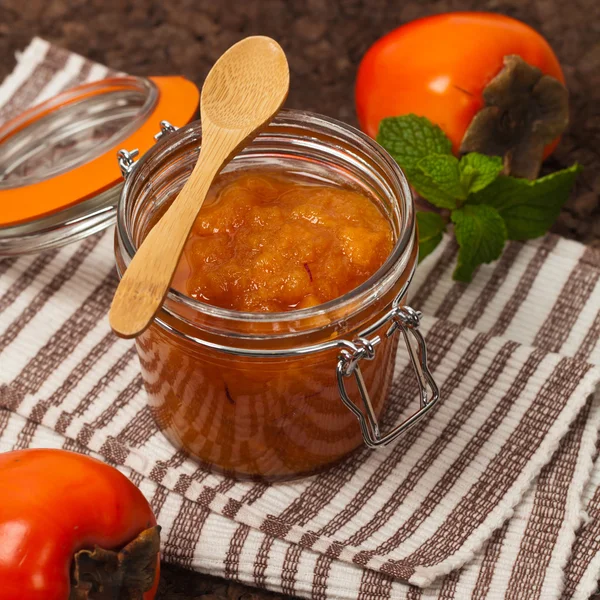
<point>487,208</point>
<point>477,171</point>
<point>480,233</point>
<point>427,188</point>
<point>442,170</point>
<point>431,227</point>
<point>528,207</point>
<point>449,180</point>
<point>410,138</point>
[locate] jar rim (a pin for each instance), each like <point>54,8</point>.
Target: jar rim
<point>307,121</point>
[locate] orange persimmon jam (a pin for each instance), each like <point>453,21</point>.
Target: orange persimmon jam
<point>270,243</point>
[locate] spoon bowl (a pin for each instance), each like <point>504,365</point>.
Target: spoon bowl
<point>254,68</point>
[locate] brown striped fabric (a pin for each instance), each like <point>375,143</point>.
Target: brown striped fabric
<point>541,534</point>
<point>53,59</point>
<point>482,499</point>
<point>488,563</point>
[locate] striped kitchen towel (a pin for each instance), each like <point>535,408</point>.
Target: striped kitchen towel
<point>493,495</point>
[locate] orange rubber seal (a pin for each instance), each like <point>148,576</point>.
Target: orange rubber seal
<point>177,103</point>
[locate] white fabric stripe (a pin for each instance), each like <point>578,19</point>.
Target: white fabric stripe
<point>467,581</point>
<point>61,79</point>
<point>27,61</point>
<point>592,485</point>
<point>557,269</point>
<point>113,389</point>
<point>462,309</point>
<point>87,383</point>
<point>63,370</point>
<point>96,72</point>
<point>574,508</point>
<point>588,584</point>
<point>40,328</point>
<point>14,272</point>
<point>489,317</point>
<point>168,515</point>
<point>583,324</point>
<point>510,547</point>
<point>344,578</point>
<point>426,266</point>
<point>274,570</point>
<point>594,357</point>
<point>443,285</point>
<point>212,547</point>
<point>91,264</point>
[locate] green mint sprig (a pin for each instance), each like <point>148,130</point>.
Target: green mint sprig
<point>486,207</point>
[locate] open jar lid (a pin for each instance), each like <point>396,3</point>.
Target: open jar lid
<point>59,177</point>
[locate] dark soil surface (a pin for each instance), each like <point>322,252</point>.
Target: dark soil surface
<point>324,41</point>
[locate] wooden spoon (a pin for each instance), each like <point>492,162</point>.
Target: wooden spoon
<point>242,93</point>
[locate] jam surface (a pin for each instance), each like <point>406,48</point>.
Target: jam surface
<point>264,242</point>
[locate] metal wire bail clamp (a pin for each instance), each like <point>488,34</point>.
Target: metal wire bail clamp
<point>406,320</point>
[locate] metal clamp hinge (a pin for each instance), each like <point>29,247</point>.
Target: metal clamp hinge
<point>126,160</point>
<point>406,320</point>
<point>165,128</point>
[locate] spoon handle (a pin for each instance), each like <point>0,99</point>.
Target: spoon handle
<point>148,277</point>
<point>241,94</point>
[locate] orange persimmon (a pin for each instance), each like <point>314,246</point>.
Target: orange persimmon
<point>438,67</point>
<point>64,518</point>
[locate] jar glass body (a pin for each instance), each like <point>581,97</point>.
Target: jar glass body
<point>255,394</point>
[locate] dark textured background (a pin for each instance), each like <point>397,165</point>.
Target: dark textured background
<point>324,40</point>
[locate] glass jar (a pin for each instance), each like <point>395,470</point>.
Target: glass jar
<point>276,395</point>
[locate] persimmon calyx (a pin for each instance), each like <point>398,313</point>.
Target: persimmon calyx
<point>127,574</point>
<point>524,111</point>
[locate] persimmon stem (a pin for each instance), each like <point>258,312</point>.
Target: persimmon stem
<point>126,574</point>
<point>524,111</point>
